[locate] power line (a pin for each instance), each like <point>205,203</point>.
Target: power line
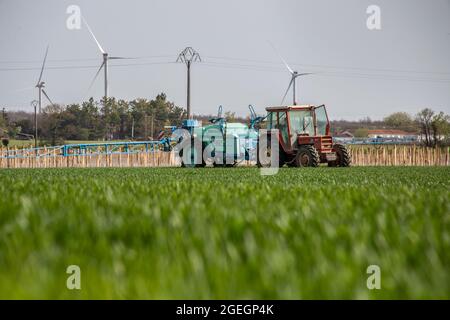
<point>327,66</point>
<point>325,73</point>
<point>254,67</point>
<point>380,77</point>
<point>209,58</point>
<point>84,59</point>
<point>85,66</point>
<point>240,67</point>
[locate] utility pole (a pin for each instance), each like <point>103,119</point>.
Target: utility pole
<point>132,129</point>
<point>188,56</point>
<point>35,104</point>
<point>145,127</point>
<point>152,125</point>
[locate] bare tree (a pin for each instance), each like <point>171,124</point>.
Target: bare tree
<point>435,127</point>
<point>424,119</point>
<point>440,126</point>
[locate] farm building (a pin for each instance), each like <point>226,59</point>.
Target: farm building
<point>345,134</point>
<point>344,137</point>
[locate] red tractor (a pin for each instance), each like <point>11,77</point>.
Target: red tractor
<point>304,137</point>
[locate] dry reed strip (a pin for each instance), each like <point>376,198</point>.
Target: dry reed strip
<point>362,155</point>
<point>23,159</point>
<point>398,155</point>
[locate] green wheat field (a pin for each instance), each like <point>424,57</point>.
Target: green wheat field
<point>223,233</point>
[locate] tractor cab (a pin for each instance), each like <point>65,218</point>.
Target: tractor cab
<point>304,136</point>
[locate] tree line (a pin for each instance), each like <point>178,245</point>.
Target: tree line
<point>144,119</point>
<point>432,126</point>
<point>139,119</point>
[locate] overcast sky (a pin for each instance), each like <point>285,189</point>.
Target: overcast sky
<point>405,66</point>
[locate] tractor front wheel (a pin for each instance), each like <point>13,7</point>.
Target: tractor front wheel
<point>343,158</point>
<point>307,156</point>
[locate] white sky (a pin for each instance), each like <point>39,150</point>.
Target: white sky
<point>405,66</point>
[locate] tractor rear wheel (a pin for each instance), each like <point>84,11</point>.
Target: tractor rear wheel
<point>307,156</point>
<point>343,158</point>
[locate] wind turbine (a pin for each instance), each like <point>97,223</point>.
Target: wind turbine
<point>104,64</point>
<point>294,76</point>
<point>41,84</point>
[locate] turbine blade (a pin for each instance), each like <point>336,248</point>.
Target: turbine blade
<point>43,65</point>
<point>290,84</point>
<point>284,61</point>
<point>46,95</point>
<point>117,58</point>
<point>92,34</point>
<point>287,66</point>
<point>95,77</point>
<point>303,74</point>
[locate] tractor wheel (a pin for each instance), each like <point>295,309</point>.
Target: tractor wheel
<point>265,150</point>
<point>268,151</point>
<point>343,158</point>
<point>307,156</point>
<point>225,165</point>
<point>210,160</point>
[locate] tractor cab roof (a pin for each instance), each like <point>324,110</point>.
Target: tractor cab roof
<point>287,108</point>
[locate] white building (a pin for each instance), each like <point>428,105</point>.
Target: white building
<point>390,133</point>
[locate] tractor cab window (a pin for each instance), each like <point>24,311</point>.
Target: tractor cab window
<point>321,121</point>
<point>271,120</point>
<point>278,120</point>
<point>302,123</point>
<point>282,126</point>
